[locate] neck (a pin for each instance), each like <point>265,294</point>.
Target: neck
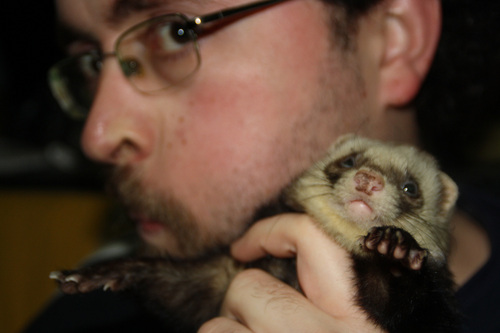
<point>470,248</point>
<point>394,124</point>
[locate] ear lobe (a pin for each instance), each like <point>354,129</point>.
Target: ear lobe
<point>411,32</point>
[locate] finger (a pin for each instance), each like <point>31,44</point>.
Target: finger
<point>223,325</point>
<point>324,268</point>
<point>282,235</point>
<point>276,235</point>
<point>264,304</point>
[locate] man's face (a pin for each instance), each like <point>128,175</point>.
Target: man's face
<point>195,162</point>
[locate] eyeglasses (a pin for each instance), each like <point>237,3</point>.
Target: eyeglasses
<point>154,55</point>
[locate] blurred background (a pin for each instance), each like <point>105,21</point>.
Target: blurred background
<point>53,213</point>
<point>53,209</point>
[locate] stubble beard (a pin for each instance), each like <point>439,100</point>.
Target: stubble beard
<point>189,239</point>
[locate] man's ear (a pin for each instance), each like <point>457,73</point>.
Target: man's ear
<point>411,33</point>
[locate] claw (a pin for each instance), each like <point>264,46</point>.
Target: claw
<point>73,278</point>
<point>416,259</point>
<point>395,244</point>
<point>56,275</point>
<point>110,285</point>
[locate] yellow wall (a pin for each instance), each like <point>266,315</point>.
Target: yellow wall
<point>39,232</point>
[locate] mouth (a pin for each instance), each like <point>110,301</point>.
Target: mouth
<point>155,234</point>
<point>359,209</point>
<point>149,226</point>
<point>146,226</point>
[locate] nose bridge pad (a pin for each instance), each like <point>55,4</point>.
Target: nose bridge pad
<point>368,181</point>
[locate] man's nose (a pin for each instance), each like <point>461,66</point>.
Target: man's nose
<point>118,129</point>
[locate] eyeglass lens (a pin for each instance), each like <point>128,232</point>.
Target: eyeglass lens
<point>74,82</point>
<point>153,55</point>
<point>158,53</point>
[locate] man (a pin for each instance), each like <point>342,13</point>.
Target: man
<point>276,85</point>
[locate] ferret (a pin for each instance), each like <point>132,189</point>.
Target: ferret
<point>388,205</point>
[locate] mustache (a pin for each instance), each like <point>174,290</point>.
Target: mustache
<point>120,183</point>
<point>125,185</point>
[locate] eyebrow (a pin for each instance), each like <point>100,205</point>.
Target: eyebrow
<point>67,34</point>
<point>122,9</point>
<point>119,11</point>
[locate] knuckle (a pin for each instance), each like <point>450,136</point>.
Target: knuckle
<point>254,278</point>
<point>245,280</point>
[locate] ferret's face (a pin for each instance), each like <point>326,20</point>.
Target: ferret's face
<point>371,188</point>
<point>370,183</point>
<point>367,183</point>
<point>375,184</point>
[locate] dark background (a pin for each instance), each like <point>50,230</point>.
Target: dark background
<point>53,212</point>
<point>39,145</point>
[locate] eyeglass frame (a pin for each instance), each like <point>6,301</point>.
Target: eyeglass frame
<point>193,27</point>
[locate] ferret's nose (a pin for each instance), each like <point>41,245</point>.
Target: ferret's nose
<point>368,182</point>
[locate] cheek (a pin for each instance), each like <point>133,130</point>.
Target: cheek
<point>252,94</point>
<point>244,119</point>
<point>232,141</point>
<point>228,125</point>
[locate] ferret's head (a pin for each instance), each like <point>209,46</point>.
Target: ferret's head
<point>371,183</point>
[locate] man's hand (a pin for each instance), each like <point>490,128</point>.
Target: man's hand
<point>257,302</point>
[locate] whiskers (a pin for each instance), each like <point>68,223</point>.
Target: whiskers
<point>316,196</point>
<point>316,187</point>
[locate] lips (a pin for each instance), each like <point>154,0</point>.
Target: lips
<point>359,209</point>
<point>149,225</point>
<point>146,225</point>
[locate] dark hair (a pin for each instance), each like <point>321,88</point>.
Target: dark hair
<point>345,17</point>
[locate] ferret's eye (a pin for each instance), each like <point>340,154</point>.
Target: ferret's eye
<point>348,162</point>
<point>410,188</point>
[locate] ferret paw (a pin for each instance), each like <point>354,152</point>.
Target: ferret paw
<point>89,279</point>
<point>395,244</point>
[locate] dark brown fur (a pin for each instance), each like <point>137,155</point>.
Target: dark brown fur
<point>388,205</point>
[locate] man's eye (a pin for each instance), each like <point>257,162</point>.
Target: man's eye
<point>131,67</point>
<point>170,37</point>
<point>180,33</point>
<point>90,64</point>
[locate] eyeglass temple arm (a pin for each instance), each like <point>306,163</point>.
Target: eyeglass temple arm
<point>198,21</point>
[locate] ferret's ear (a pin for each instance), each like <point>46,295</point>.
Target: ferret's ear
<point>450,194</point>
<point>410,33</point>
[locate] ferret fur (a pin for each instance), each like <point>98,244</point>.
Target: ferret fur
<point>388,205</point>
